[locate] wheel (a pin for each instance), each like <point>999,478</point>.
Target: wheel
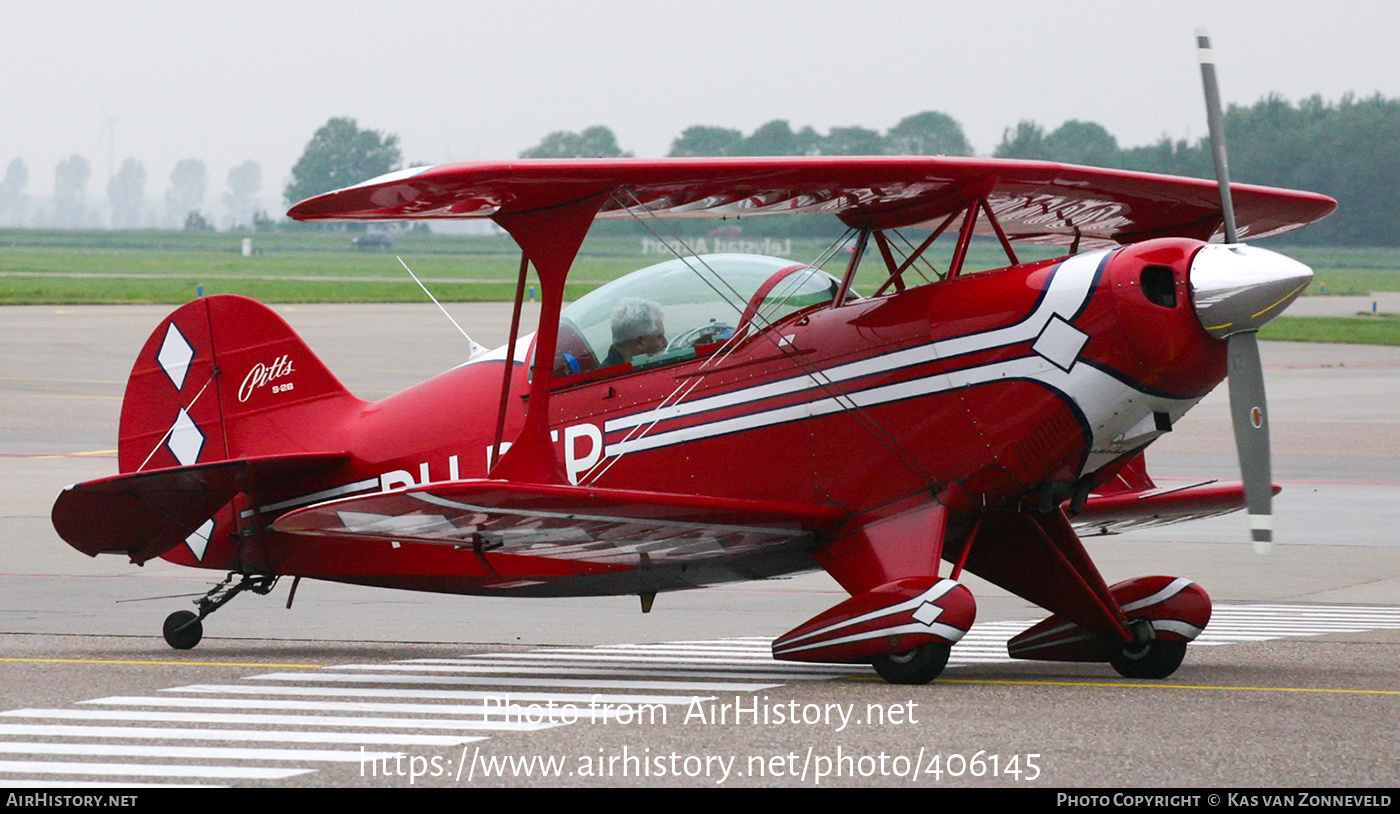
<point>183,630</point>
<point>918,666</point>
<point>1157,659</point>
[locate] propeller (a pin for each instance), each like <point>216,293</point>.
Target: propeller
<point>1215,121</point>
<point>1237,289</point>
<point>1247,413</point>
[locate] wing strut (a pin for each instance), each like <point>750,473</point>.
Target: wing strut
<point>897,274</point>
<point>1001,233</point>
<point>970,214</point>
<point>509,368</point>
<point>964,240</point>
<point>550,239</point>
<point>850,277</point>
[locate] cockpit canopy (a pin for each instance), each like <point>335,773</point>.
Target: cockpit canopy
<point>701,302</point>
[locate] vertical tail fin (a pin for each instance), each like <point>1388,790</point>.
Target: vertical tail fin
<point>225,377</point>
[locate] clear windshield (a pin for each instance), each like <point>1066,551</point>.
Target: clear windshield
<point>674,307</point>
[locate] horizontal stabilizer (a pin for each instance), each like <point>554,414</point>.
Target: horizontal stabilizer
<point>145,514</point>
<point>615,526</point>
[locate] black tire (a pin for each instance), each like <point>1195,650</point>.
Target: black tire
<point>918,666</point>
<point>1158,659</point>
<point>183,630</point>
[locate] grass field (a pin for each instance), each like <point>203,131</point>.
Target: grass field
<point>49,267</point>
<point>1361,330</point>
<point>171,267</point>
<point>1349,271</point>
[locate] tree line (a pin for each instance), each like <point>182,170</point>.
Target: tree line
<point>1349,149</point>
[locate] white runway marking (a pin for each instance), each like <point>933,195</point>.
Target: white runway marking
<point>642,672</point>
<point>257,735</point>
<point>753,661</point>
<point>189,752</point>
<point>602,684</point>
<point>146,770</point>
<point>36,783</point>
<point>417,703</point>
<point>433,695</point>
<point>249,719</point>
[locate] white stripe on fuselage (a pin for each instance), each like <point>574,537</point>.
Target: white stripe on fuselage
<point>1071,285</point>
<point>1095,392</point>
<point>1090,388</point>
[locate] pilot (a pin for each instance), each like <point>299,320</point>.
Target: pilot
<point>637,329</point>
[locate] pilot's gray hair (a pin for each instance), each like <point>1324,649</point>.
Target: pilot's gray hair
<point>636,317</point>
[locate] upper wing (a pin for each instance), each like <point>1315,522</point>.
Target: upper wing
<point>564,522</point>
<point>1033,201</point>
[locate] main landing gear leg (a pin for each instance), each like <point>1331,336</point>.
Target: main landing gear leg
<point>184,629</point>
<point>902,618</point>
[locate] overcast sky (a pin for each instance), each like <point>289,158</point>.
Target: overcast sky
<point>227,82</point>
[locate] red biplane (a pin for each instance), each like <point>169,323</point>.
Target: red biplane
<point>735,417</point>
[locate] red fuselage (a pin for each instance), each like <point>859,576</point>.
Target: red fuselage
<point>999,383</point>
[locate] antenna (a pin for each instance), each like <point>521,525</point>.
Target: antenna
<point>477,350</point>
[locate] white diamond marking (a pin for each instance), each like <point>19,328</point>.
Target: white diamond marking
<point>186,441</point>
<point>927,614</point>
<point>175,355</point>
<point>1060,342</point>
<point>199,541</point>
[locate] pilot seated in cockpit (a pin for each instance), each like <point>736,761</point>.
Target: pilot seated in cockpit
<point>637,329</point>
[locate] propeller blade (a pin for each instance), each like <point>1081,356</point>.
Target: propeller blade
<point>1248,410</point>
<point>1215,118</point>
<point>1250,415</point>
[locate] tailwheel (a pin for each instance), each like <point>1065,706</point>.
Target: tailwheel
<point>918,666</point>
<point>183,630</point>
<point>1153,659</point>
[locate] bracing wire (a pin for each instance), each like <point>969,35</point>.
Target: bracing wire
<point>187,409</point>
